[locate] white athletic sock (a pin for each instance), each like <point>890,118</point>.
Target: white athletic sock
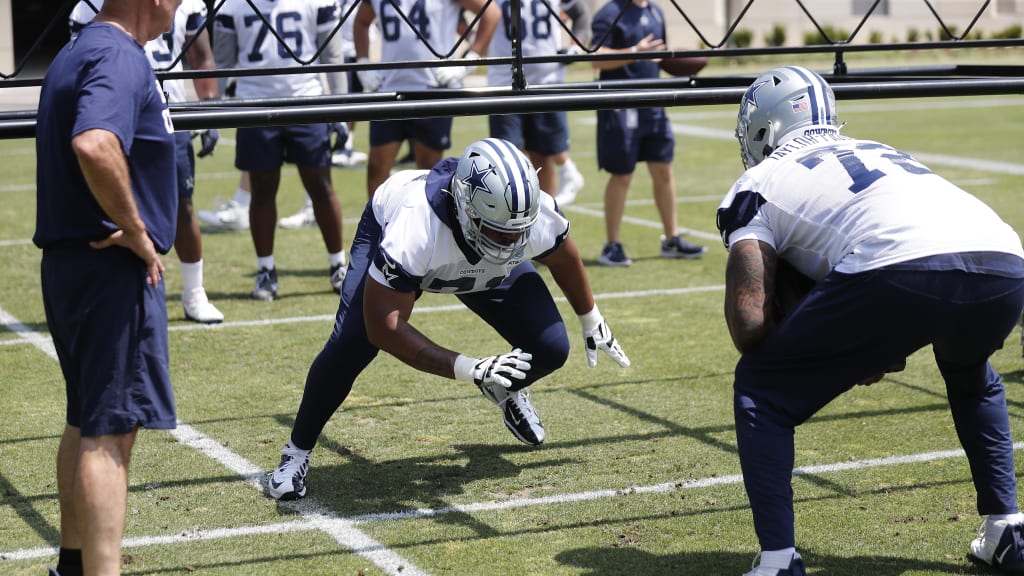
<point>191,276</point>
<point>265,262</point>
<point>242,197</point>
<point>777,558</point>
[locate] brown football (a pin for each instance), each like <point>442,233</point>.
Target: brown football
<point>684,66</point>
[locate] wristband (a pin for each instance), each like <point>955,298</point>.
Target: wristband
<point>464,366</point>
<point>592,319</point>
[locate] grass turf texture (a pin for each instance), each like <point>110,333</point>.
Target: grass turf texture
<point>424,467</point>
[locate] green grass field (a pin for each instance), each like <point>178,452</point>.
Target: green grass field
<point>417,475</point>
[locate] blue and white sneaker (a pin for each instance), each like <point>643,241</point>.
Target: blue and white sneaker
<point>266,285</point>
<point>288,482</point>
<point>796,567</point>
<point>1000,544</point>
<point>613,254</point>
<point>520,417</point>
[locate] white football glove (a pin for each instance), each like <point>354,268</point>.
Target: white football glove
<point>451,76</point>
<point>493,369</point>
<point>370,79</point>
<point>598,336</point>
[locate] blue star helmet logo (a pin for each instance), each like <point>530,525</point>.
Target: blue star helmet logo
<point>750,97</point>
<point>475,180</point>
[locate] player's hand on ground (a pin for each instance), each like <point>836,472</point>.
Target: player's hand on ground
<point>597,335</point>
<point>500,369</point>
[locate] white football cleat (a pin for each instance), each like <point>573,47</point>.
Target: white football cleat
<point>230,216</point>
<point>349,159</point>
<point>570,183</point>
<point>304,218</point>
<point>198,307</point>
<point>288,482</point>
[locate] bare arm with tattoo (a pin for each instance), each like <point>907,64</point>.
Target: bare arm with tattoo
<point>387,314</point>
<point>749,291</point>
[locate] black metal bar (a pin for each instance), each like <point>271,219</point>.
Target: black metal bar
<point>476,105</point>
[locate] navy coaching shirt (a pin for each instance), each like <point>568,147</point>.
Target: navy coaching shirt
<point>103,80</point>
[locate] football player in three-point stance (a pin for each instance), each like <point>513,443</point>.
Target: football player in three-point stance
<point>902,259</point>
<point>468,227</point>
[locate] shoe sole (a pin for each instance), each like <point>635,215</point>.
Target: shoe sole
<point>614,264</point>
<point>191,318</point>
<point>520,437</point>
<point>288,496</point>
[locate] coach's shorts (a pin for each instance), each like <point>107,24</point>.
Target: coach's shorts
<point>628,136</point>
<point>109,328</point>
<point>185,160</point>
<point>545,133</point>
<point>267,148</point>
<point>434,133</point>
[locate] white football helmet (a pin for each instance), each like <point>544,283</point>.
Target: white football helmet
<point>495,188</point>
<point>778,103</point>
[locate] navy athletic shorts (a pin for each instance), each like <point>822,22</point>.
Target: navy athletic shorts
<point>267,148</point>
<point>435,133</point>
<point>109,329</point>
<point>186,164</point>
<point>544,133</point>
<point>628,136</point>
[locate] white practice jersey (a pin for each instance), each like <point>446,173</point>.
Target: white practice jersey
<point>541,35</point>
<point>243,40</point>
<point>420,251</point>
<point>829,202</point>
<point>436,21</point>
<point>348,45</point>
<point>163,49</point>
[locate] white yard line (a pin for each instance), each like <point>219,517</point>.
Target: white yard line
<point>315,515</point>
<point>311,521</point>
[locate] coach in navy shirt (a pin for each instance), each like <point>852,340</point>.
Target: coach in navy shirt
<point>106,210</point>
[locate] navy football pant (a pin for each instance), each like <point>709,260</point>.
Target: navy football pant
<point>520,309</point>
<point>853,326</point>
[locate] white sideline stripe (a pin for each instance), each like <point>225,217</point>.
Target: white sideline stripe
<point>27,335</point>
<point>312,521</point>
<point>578,209</point>
<point>888,106</point>
<point>997,167</point>
<point>22,339</point>
<point>343,531</point>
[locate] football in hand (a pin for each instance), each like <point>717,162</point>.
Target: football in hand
<point>684,66</point>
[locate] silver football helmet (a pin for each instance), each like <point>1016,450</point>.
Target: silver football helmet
<point>497,198</point>
<point>779,102</point>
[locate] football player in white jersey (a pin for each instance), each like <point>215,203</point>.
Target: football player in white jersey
<point>468,227</point>
<point>543,135</point>
<point>436,25</point>
<point>902,259</point>
<point>161,52</point>
<point>284,33</point>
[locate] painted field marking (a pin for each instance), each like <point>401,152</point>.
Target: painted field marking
<point>317,516</point>
<point>311,522</point>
